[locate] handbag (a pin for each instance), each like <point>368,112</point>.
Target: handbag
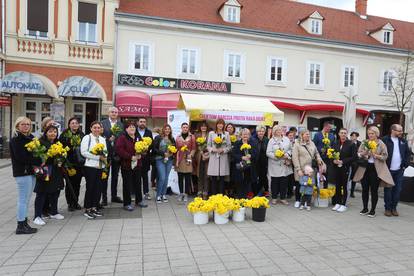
<point>314,161</point>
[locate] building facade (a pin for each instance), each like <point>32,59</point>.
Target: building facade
<point>304,58</point>
<point>59,58</point>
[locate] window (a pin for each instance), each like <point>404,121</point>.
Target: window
<point>37,17</point>
<point>234,66</point>
<point>315,75</point>
<point>87,14</point>
<point>188,61</point>
<point>387,81</point>
<point>232,14</point>
<point>349,77</point>
<point>316,26</point>
<point>387,37</point>
<point>276,72</point>
<point>140,57</point>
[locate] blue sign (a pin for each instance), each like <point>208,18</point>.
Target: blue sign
<point>78,86</point>
<point>22,82</point>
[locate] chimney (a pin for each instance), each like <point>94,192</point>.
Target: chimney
<point>361,8</point>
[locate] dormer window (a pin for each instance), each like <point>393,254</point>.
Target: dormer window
<point>312,23</point>
<point>230,11</point>
<point>384,34</point>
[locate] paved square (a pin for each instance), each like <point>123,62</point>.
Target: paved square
<point>165,242</point>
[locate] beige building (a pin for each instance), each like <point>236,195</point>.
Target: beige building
<point>302,57</point>
<point>58,59</point>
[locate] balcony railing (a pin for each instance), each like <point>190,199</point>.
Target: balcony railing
<point>85,51</point>
<point>44,47</point>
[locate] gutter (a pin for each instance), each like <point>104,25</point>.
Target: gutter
<point>122,15</point>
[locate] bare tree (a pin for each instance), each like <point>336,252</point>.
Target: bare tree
<point>401,84</point>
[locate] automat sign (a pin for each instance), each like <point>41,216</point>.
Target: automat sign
<point>172,83</point>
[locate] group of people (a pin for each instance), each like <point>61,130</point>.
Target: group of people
<point>208,161</point>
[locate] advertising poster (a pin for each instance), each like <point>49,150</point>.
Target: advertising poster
<point>57,110</point>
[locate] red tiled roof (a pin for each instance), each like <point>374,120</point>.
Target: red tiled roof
<point>278,16</point>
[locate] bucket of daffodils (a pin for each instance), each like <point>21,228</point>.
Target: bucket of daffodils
<point>200,209</point>
<point>259,204</point>
<point>322,196</point>
<point>223,205</point>
<point>239,210</point>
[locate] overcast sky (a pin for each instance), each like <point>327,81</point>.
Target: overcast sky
<point>397,9</point>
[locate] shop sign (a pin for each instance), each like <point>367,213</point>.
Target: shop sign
<point>79,86</point>
<point>5,101</point>
<point>235,117</point>
<point>133,109</point>
<point>22,82</point>
<point>172,83</point>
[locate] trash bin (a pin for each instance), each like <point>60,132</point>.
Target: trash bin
<point>407,189</point>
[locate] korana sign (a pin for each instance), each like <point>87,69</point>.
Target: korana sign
<point>172,83</point>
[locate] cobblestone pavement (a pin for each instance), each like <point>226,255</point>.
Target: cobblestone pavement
<point>165,242</point>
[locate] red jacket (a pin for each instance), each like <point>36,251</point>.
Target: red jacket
<point>125,148</point>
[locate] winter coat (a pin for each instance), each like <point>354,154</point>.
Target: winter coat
<point>181,164</point>
<point>279,167</point>
<point>125,149</point>
<point>72,158</point>
<point>158,151</point>
<point>218,164</point>
<point>22,160</point>
<point>302,158</point>
<point>237,155</point>
<point>198,159</point>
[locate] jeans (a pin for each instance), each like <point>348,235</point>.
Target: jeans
<point>163,172</point>
<point>40,201</point>
<point>392,194</point>
<point>25,186</point>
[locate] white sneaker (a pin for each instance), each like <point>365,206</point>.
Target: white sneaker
<point>336,207</point>
<point>297,204</point>
<point>164,198</point>
<point>301,207</point>
<point>308,208</point>
<point>57,216</point>
<point>39,221</point>
<point>342,209</point>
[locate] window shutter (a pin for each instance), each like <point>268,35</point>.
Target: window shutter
<point>87,12</point>
<point>37,15</point>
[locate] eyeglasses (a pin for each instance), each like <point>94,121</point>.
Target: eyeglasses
<point>25,124</point>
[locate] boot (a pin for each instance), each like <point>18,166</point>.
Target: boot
<point>21,229</point>
<point>26,224</point>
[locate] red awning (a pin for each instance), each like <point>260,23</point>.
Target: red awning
<point>161,103</point>
<point>286,105</point>
<point>132,103</point>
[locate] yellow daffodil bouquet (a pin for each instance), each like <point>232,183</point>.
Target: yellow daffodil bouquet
<point>222,204</point>
<point>184,149</point>
<point>171,150</point>
<point>74,139</point>
<point>257,202</point>
<point>332,154</point>
<point>233,139</point>
<point>326,142</point>
<point>147,140</point>
<point>201,143</point>
<point>200,205</point>
<point>239,203</point>
<point>140,147</point>
<point>37,149</point>
<point>218,141</point>
<point>326,193</point>
<point>58,152</point>
<point>71,171</point>
<point>279,153</point>
<point>370,145</point>
<point>99,149</point>
<point>245,148</point>
<point>116,130</point>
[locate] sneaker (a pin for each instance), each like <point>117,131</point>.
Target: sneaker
<point>57,216</point>
<point>185,198</point>
<point>89,215</point>
<point>284,202</point>
<point>301,207</point>
<point>147,196</point>
<point>129,208</point>
<point>388,213</point>
<point>342,209</point>
<point>308,208</point>
<point>336,207</point>
<point>274,201</point>
<point>297,204</point>
<point>39,221</point>
<point>164,199</point>
<point>97,213</point>
<point>159,199</point>
<point>180,197</point>
<point>141,204</point>
<point>363,212</point>
<point>371,214</point>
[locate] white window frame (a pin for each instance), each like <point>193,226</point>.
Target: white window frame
<point>321,84</point>
<point>131,57</point>
<point>316,26</point>
<point>37,36</point>
<point>87,33</point>
<point>232,14</point>
<point>180,57</point>
<point>343,71</point>
<point>240,79</point>
<point>382,80</point>
<point>283,81</point>
<point>385,37</point>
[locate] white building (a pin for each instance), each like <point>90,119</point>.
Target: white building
<point>300,56</point>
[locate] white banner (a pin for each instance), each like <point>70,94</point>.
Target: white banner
<point>235,117</point>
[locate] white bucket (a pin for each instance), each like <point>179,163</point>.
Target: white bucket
<point>200,218</point>
<point>321,202</point>
<point>221,219</point>
<point>239,216</point>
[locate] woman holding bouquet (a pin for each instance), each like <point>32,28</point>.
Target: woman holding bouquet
<point>186,148</point>
<point>51,182</point>
<point>131,165</point>
<point>372,169</point>
<point>163,150</point>
<point>93,148</point>
<point>344,155</point>
<point>201,161</point>
<point>72,137</point>
<point>244,154</point>
<point>219,146</point>
<point>279,152</point>
<point>22,165</point>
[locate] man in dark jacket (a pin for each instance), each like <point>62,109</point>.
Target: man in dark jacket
<point>318,141</point>
<point>261,164</point>
<point>143,131</point>
<point>354,138</point>
<point>398,159</point>
<point>110,137</point>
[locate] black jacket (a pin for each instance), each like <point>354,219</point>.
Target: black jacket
<point>237,155</point>
<point>261,153</point>
<point>156,150</point>
<point>404,151</point>
<point>72,159</point>
<point>146,160</point>
<point>107,134</point>
<point>22,160</point>
<point>348,153</point>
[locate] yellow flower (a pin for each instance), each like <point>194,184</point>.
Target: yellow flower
<point>116,130</point>
<point>258,202</point>
<point>218,140</point>
<point>98,149</point>
<point>233,138</point>
<point>140,147</point>
<point>372,145</point>
<point>310,181</point>
<point>71,171</point>
<point>200,205</point>
<point>327,193</point>
<point>172,149</point>
<point>57,150</point>
<point>279,153</point>
<point>104,175</point>
<point>245,146</point>
<point>201,141</point>
<point>147,140</point>
<point>184,148</point>
<point>326,141</point>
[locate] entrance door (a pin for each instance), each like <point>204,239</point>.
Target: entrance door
<point>36,110</point>
<point>86,112</point>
